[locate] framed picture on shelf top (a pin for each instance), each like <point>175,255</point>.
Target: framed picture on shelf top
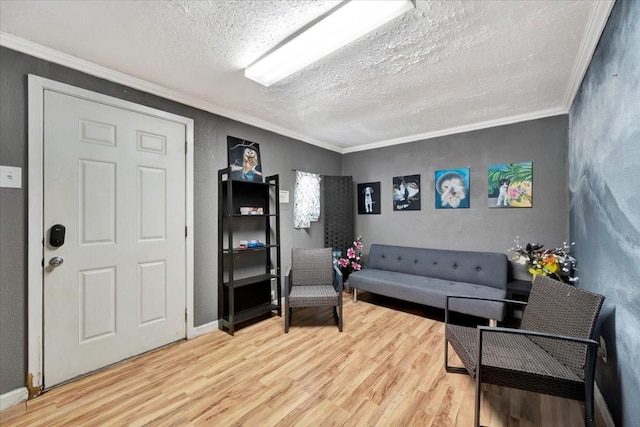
<point>245,163</point>
<point>369,198</point>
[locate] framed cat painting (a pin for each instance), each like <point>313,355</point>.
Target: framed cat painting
<point>244,160</point>
<point>406,193</point>
<point>511,185</point>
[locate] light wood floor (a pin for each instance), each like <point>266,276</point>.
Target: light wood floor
<point>385,369</point>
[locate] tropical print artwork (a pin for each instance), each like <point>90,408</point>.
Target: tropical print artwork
<point>511,185</point>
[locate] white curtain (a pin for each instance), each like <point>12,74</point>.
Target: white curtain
<point>306,199</point>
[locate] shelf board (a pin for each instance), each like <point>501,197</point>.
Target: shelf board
<point>250,280</point>
<point>248,216</point>
<point>250,313</point>
<point>239,183</point>
<point>257,248</point>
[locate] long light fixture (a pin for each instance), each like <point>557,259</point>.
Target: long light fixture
<point>349,22</point>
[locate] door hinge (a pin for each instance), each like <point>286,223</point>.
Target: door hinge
<point>185,147</point>
<point>185,231</point>
<point>185,314</point>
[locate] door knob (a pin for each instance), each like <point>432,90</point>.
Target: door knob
<point>56,261</point>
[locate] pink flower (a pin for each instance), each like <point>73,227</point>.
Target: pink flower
<point>343,262</point>
<point>355,266</point>
<point>351,253</point>
<point>357,245</point>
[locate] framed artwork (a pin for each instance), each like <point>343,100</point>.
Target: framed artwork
<point>511,185</point>
<point>452,188</point>
<point>406,193</point>
<point>244,160</point>
<point>369,198</point>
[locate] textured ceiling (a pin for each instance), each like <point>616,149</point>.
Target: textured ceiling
<point>444,66</point>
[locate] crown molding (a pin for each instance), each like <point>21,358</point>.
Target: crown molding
<point>541,114</point>
<point>46,53</point>
<point>596,25</point>
<point>597,22</point>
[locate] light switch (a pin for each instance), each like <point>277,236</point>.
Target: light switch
<point>10,177</point>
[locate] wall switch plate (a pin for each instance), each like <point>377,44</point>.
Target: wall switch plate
<point>10,177</point>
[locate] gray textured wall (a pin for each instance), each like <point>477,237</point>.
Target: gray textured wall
<point>544,142</point>
<point>604,159</point>
<point>279,155</point>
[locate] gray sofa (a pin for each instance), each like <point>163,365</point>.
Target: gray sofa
<point>427,276</point>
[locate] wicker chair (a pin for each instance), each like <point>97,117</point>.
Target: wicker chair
<point>313,282</point>
<point>553,352</point>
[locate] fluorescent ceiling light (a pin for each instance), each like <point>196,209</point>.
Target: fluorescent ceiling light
<point>349,22</point>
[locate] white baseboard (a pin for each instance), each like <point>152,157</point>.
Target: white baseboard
<point>13,397</point>
<point>205,329</point>
<point>604,409</point>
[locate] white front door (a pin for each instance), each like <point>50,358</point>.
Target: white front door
<point>115,179</point>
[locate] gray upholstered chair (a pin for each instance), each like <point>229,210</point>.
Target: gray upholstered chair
<point>313,281</point>
<point>553,352</point>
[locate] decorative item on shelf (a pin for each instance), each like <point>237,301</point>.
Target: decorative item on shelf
<point>251,210</point>
<point>352,262</point>
<point>255,244</point>
<point>246,244</point>
<point>556,262</point>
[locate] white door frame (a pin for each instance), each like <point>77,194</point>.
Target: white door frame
<point>35,238</point>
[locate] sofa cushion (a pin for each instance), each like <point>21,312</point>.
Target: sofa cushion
<point>430,291</point>
<point>482,268</point>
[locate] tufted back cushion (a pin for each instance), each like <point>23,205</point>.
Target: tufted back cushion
<point>483,268</point>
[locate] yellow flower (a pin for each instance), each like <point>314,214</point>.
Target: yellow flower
<point>537,271</point>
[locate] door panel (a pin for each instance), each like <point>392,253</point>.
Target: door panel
<point>116,179</point>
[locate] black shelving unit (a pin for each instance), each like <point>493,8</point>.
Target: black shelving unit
<point>247,276</point>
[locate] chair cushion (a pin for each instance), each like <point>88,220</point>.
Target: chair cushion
<point>508,353</point>
<point>313,296</point>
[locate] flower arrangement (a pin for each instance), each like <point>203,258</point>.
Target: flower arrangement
<point>352,262</point>
<point>556,262</point>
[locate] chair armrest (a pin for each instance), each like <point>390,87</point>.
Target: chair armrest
<point>446,304</point>
<point>587,341</point>
<point>339,280</point>
<point>287,282</point>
